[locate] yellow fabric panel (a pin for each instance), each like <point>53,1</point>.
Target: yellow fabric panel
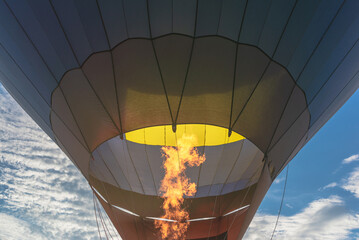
<point>207,135</point>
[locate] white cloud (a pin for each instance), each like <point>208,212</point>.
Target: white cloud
<point>352,158</point>
<point>322,219</point>
<point>351,184</point>
<point>330,185</point>
<point>278,180</point>
<point>12,228</point>
<point>39,183</point>
<point>288,205</point>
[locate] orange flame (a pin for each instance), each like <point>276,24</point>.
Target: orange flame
<point>175,185</point>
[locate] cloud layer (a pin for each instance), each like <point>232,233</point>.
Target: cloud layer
<point>38,184</point>
<point>324,218</point>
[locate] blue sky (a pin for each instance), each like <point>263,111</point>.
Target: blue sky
<point>322,194</point>
<point>43,196</point>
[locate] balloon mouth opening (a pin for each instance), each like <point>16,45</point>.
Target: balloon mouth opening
<point>206,135</point>
<point>233,212</point>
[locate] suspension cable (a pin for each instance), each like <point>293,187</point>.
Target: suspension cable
<point>281,203</point>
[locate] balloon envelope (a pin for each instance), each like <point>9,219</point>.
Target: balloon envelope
<point>113,81</point>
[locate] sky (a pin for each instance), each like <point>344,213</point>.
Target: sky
<point>43,196</point>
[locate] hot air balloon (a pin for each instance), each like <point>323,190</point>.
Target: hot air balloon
<point>112,82</point>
